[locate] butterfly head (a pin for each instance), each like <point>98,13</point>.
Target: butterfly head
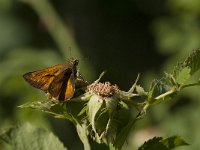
<point>73,61</point>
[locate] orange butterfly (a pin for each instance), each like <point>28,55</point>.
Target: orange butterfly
<point>59,81</point>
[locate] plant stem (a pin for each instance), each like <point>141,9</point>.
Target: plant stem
<point>166,94</point>
<point>188,85</point>
<point>162,96</point>
<point>134,85</point>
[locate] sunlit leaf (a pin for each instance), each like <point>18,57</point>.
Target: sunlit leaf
<point>94,106</point>
<point>183,76</point>
<point>48,106</point>
<point>82,132</point>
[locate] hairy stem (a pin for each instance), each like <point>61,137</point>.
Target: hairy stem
<point>162,96</point>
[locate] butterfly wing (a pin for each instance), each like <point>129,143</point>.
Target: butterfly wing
<point>41,79</point>
<point>69,92</point>
<point>62,87</point>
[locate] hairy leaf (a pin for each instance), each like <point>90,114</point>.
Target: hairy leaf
<point>183,76</point>
<point>82,133</point>
<point>158,87</point>
<point>158,143</point>
<point>141,91</point>
<point>193,61</point>
<point>184,70</point>
<point>48,106</point>
<point>94,106</point>
<point>28,137</point>
<point>71,110</point>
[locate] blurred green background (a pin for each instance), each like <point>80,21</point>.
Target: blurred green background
<point>123,37</point>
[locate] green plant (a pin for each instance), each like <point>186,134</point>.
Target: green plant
<point>107,114</point>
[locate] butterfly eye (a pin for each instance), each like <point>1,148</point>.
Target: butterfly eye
<point>73,61</point>
<point>76,62</point>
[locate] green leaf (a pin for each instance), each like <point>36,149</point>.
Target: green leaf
<point>183,71</point>
<point>94,106</point>
<point>82,133</point>
<point>141,91</point>
<point>126,119</point>
<point>71,110</point>
<point>122,136</point>
<point>111,131</point>
<point>45,105</point>
<point>158,143</point>
<point>111,126</point>
<point>111,105</point>
<point>193,61</point>
<point>82,111</point>
<point>134,85</point>
<point>157,88</point>
<point>48,106</point>
<point>28,137</point>
<point>151,144</point>
<point>125,95</point>
<point>173,142</point>
<point>183,76</point>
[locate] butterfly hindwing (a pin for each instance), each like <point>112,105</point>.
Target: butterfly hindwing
<point>69,92</point>
<point>61,84</point>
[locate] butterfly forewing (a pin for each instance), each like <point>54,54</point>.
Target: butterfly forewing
<point>41,79</point>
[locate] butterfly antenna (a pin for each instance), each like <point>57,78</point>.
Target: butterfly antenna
<point>70,52</point>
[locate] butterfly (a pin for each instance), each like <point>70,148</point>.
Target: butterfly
<point>59,81</point>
